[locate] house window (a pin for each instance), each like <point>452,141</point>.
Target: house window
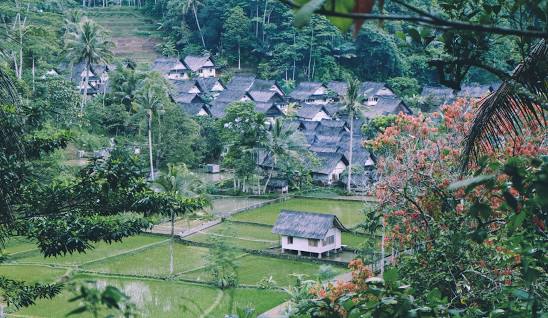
<point>312,242</point>
<point>290,240</point>
<point>329,240</point>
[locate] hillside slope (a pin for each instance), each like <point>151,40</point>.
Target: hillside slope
<point>134,34</point>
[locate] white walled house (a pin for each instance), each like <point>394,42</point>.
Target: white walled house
<point>314,233</point>
<point>201,65</point>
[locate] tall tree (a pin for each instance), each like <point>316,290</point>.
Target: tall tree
<point>283,143</point>
<point>88,44</point>
<point>352,102</point>
<point>178,181</point>
<point>236,31</point>
<point>151,104</point>
<point>191,5</point>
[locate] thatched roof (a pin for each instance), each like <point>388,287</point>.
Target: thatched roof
<point>194,108</point>
<point>165,64</point>
<point>196,62</point>
<point>306,224</point>
<point>308,111</point>
<point>269,109</point>
<point>186,98</point>
<point>230,95</point>
<point>372,88</point>
<point>184,86</point>
<point>338,88</point>
<point>206,84</point>
<point>386,105</point>
<point>265,96</point>
<point>306,90</point>
<point>327,162</point>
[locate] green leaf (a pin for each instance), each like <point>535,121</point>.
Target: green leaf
<point>479,235</point>
<point>77,311</point>
<point>479,209</point>
<point>511,200</point>
<point>520,294</point>
<point>390,276</point>
<point>302,16</point>
<point>415,35</point>
<point>471,182</point>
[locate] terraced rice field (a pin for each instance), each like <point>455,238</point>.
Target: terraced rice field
<point>134,34</point>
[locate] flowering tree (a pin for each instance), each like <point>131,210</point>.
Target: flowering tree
<point>468,245</point>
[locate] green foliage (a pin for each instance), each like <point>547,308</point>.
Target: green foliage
<point>21,294</point>
<point>404,86</point>
<point>377,125</point>
<point>96,301</point>
<point>236,33</point>
<point>220,263</point>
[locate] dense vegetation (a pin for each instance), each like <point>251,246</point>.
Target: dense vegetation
<point>477,235</point>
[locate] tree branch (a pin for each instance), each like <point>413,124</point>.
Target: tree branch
<point>429,19</point>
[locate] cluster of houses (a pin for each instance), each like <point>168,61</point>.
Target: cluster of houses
<point>313,108</point>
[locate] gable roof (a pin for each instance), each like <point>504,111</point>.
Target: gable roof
<point>265,96</point>
<point>194,108</point>
<point>218,108</point>
<point>166,64</point>
<point>269,109</point>
<point>230,95</point>
<point>327,162</point>
<point>306,224</point>
<point>438,94</point>
<point>372,88</point>
<point>183,86</point>
<point>307,125</point>
<point>476,90</point>
<point>338,87</point>
<point>241,82</point>
<point>196,62</point>
<point>386,105</point>
<point>308,111</point>
<point>305,90</point>
<point>186,98</point>
<point>206,84</point>
<point>265,85</point>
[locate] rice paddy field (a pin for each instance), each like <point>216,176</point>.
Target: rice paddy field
<point>140,266</point>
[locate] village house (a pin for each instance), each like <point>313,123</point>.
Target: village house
<point>328,168</point>
<point>312,112</point>
<point>210,86</point>
<point>203,66</point>
<point>315,234</point>
<point>373,91</point>
<point>386,105</point>
<point>171,68</point>
<point>97,77</point>
<point>249,83</point>
<point>311,93</point>
<point>192,104</point>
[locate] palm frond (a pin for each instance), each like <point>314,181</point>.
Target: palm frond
<point>515,106</point>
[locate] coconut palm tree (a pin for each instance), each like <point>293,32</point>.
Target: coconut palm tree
<point>149,102</point>
<point>513,107</point>
<point>191,5</point>
<point>182,182</point>
<point>282,142</point>
<point>352,102</point>
<point>88,44</point>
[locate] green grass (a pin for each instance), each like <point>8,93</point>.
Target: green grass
<point>17,244</point>
<point>234,241</point>
<point>100,251</point>
<point>350,213</point>
<point>262,300</point>
<point>152,261</point>
<point>31,273</point>
<point>240,235</point>
<point>354,240</point>
<point>168,299</point>
<point>251,269</point>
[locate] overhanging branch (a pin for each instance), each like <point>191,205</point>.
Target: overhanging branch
<point>429,19</point>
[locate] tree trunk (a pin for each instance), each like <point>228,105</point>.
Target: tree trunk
<point>270,174</point>
<point>150,144</point>
<point>294,55</point>
<point>310,54</point>
<point>351,117</point>
<point>84,97</point>
<point>382,246</point>
<point>198,24</point>
<point>264,18</point>
<point>171,242</point>
<point>257,20</point>
<point>239,56</point>
<point>33,73</point>
<point>159,144</point>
